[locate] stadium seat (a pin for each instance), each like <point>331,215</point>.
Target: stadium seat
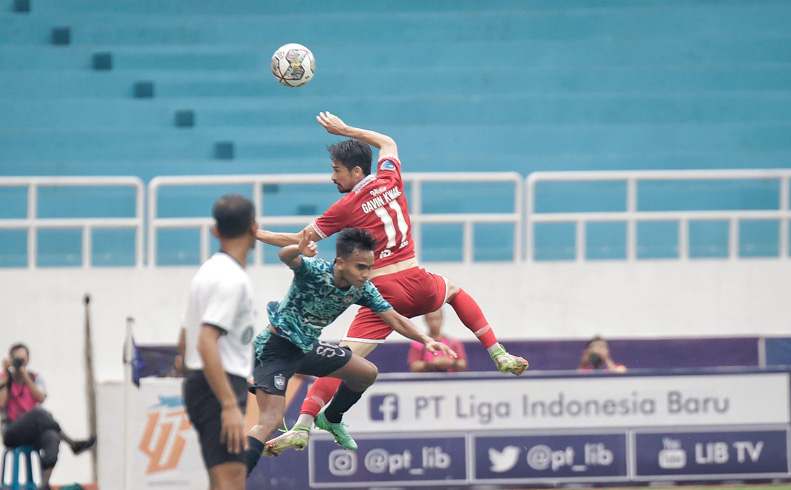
<point>18,472</point>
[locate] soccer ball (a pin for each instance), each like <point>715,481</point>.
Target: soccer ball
<point>293,65</point>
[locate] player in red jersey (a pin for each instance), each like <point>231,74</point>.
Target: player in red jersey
<point>376,203</point>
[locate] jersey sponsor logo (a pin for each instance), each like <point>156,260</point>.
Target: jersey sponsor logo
<point>376,192</point>
<point>387,165</point>
<point>247,336</point>
<point>385,253</point>
<point>163,436</point>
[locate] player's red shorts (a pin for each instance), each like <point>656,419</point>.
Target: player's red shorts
<point>412,292</point>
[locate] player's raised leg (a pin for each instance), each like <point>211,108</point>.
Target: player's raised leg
<point>473,318</point>
<point>350,382</point>
<point>271,409</point>
<point>357,376</point>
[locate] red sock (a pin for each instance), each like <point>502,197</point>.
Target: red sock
<point>472,317</point>
<point>319,394</point>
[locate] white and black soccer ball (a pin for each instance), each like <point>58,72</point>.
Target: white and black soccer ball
<point>293,65</point>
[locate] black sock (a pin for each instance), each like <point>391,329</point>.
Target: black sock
<point>342,401</point>
<point>253,454</point>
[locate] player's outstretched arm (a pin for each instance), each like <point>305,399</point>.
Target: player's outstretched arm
<point>279,239</point>
<point>292,254</point>
<point>408,329</point>
<point>334,125</point>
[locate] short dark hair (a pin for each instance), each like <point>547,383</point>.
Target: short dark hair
<point>234,214</point>
<point>352,153</point>
<point>351,240</point>
<point>596,338</point>
<point>18,345</point>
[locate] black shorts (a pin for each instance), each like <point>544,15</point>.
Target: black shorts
<point>205,413</point>
<point>280,359</point>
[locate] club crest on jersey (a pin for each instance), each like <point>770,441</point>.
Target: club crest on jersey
<point>247,335</point>
<point>280,382</point>
<point>387,165</point>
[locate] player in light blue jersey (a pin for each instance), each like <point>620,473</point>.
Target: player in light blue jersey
<point>319,293</point>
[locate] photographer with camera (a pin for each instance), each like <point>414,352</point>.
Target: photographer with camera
<point>24,421</point>
<point>596,357</point>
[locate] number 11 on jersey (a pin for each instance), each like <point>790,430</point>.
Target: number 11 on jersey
<point>387,221</point>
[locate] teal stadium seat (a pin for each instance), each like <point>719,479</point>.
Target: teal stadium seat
<point>18,468</point>
<point>465,85</point>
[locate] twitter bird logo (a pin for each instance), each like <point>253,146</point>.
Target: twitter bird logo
<point>504,460</point>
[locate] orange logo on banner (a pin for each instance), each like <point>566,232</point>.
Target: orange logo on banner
<point>162,439</point>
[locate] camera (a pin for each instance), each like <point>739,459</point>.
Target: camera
<point>17,362</point>
<point>595,360</point>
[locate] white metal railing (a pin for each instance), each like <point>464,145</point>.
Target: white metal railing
<point>631,216</point>
<point>32,222</point>
<point>524,209</point>
<point>418,217</point>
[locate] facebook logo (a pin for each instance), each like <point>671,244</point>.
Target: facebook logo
<point>384,407</point>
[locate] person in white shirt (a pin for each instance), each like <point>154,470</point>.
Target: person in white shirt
<point>218,350</point>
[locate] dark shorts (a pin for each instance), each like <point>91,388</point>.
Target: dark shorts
<point>280,360</point>
<point>205,413</point>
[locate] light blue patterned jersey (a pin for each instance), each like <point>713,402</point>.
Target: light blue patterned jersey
<point>313,302</point>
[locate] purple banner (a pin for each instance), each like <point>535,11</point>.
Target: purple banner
<point>391,459</point>
<point>712,453</point>
<point>550,457</point>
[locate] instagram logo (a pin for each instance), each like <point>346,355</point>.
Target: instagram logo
<point>384,407</point>
<point>342,462</point>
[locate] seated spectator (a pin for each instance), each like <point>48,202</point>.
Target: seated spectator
<point>25,422</point>
<point>596,357</point>
<point>421,361</point>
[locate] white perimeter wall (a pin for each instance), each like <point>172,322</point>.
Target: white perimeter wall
<point>44,309</point>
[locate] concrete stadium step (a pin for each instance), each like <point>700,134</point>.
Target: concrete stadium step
<point>24,30</point>
<point>143,143</point>
<point>87,113</point>
<point>517,25</point>
<point>147,169</point>
<point>526,109</point>
<point>423,161</point>
<point>659,81</point>
<point>44,57</point>
<point>205,58</point>
<point>244,7</point>
<point>495,58</point>
<point>44,84</point>
<point>527,141</point>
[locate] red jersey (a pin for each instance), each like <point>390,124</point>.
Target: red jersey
<point>376,204</point>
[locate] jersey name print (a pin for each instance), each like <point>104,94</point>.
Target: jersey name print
<point>376,204</point>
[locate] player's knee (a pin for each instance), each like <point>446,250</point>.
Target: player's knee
<point>364,376</point>
<point>371,373</point>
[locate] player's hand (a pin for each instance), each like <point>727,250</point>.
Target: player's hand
<point>437,348</point>
<point>232,432</point>
<point>307,247</point>
<point>332,123</point>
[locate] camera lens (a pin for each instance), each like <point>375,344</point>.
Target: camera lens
<point>18,362</point>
